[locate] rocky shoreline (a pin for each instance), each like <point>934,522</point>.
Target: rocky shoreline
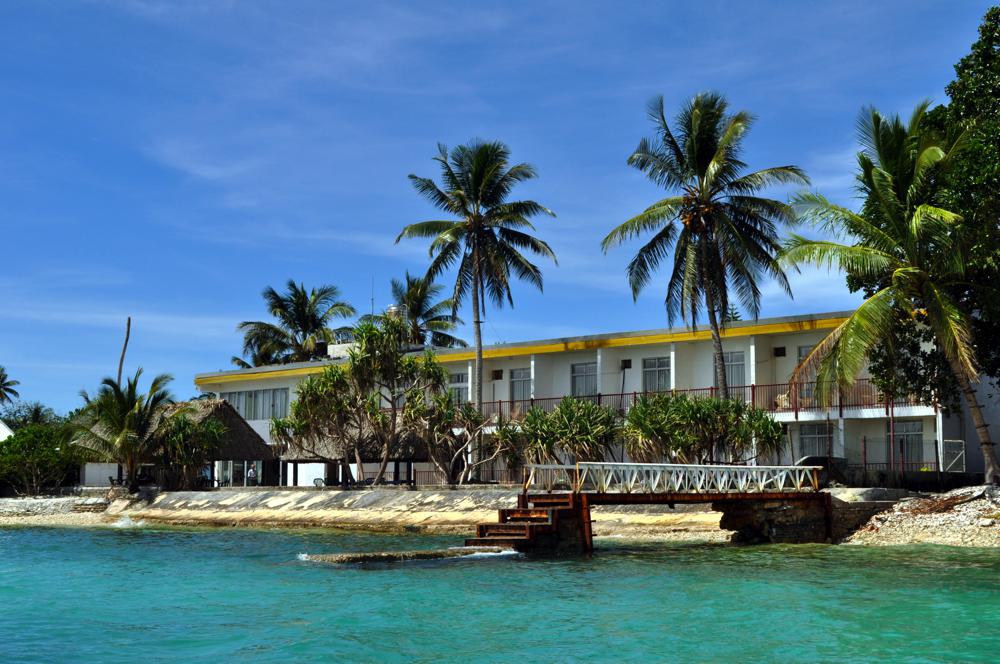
<point>965,517</point>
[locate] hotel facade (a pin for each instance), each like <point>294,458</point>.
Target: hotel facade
<point>861,425</point>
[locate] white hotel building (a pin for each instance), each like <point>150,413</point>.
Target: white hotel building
<point>615,368</point>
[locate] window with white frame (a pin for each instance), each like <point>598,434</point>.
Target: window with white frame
<point>458,387</point>
<point>656,374</point>
<point>258,404</point>
<point>583,379</point>
<point>736,375</point>
<point>908,440</point>
<point>815,438</point>
<point>520,384</point>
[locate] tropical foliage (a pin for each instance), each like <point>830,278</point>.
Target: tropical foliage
<point>303,320</point>
<point>7,385</point>
<point>121,425</point>
<point>576,430</point>
<point>358,408</point>
<point>185,446</point>
<point>723,234</point>
<point>683,429</point>
<point>37,457</point>
<point>449,432</point>
<point>487,233</point>
<point>430,322</point>
<point>18,414</point>
<point>911,253</point>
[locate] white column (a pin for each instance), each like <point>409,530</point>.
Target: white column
<point>471,383</point>
<point>673,366</point>
<point>753,360</point>
<point>841,438</point>
<point>532,376</point>
<point>600,371</point>
<point>939,434</point>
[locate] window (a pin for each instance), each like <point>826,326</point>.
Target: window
<point>258,404</point>
<point>908,440</point>
<point>458,387</point>
<point>735,368</point>
<point>520,384</point>
<point>814,439</point>
<point>583,379</point>
<point>656,374</point>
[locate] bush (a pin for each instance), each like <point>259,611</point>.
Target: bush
<point>692,430</point>
<point>36,457</point>
<point>578,429</point>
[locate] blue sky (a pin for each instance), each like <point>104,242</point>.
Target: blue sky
<point>168,160</point>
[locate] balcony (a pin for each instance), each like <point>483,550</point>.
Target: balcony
<point>775,398</point>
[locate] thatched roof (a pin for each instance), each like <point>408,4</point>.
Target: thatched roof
<point>410,448</point>
<point>240,442</point>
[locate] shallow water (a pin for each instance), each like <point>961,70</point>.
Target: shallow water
<point>158,595</point>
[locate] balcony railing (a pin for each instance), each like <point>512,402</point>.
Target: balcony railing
<point>775,398</point>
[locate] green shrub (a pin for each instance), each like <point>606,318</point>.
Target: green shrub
<point>37,457</point>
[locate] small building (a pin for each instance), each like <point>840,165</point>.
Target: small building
<point>242,449</point>
<point>5,431</point>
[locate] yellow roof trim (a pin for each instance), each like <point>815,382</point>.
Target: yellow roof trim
<point>263,375</point>
<point>538,349</point>
<point>644,340</point>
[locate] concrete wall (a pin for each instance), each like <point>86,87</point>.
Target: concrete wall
<point>97,474</point>
<point>959,426</point>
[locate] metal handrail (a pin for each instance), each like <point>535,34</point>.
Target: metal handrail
<point>615,477</point>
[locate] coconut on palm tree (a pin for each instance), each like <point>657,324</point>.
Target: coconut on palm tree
<point>910,252</point>
<point>303,320</point>
<point>7,391</point>
<point>722,233</point>
<point>122,424</point>
<point>487,233</point>
<point>429,322</point>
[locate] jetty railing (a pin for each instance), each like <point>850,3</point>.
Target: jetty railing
<point>670,478</point>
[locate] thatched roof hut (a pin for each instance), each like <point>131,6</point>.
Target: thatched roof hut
<point>240,442</point>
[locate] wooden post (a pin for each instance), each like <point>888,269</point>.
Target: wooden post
<point>585,525</point>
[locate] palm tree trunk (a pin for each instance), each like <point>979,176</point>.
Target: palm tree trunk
<point>991,465</point>
<point>713,322</point>
<point>720,363</point>
<point>478,334</point>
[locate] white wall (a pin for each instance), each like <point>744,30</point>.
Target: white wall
<point>262,427</point>
<point>97,474</point>
<point>5,431</point>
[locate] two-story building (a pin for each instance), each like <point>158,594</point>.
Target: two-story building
<point>861,425</point>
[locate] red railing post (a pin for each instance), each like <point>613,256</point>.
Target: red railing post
<point>864,452</point>
<point>753,395</point>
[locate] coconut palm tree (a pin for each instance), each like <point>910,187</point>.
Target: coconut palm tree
<point>488,236</point>
<point>909,250</point>
<point>7,391</point>
<point>723,234</point>
<point>303,320</point>
<point>255,357</point>
<point>428,321</point>
<point>122,424</point>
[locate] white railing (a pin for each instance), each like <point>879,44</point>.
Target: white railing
<point>670,478</point>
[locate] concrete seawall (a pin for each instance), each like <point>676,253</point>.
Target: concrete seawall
<point>443,511</point>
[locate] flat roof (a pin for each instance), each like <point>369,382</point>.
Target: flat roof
<point>775,325</point>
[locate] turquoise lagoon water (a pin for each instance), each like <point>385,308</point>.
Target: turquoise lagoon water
<point>164,595</point>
